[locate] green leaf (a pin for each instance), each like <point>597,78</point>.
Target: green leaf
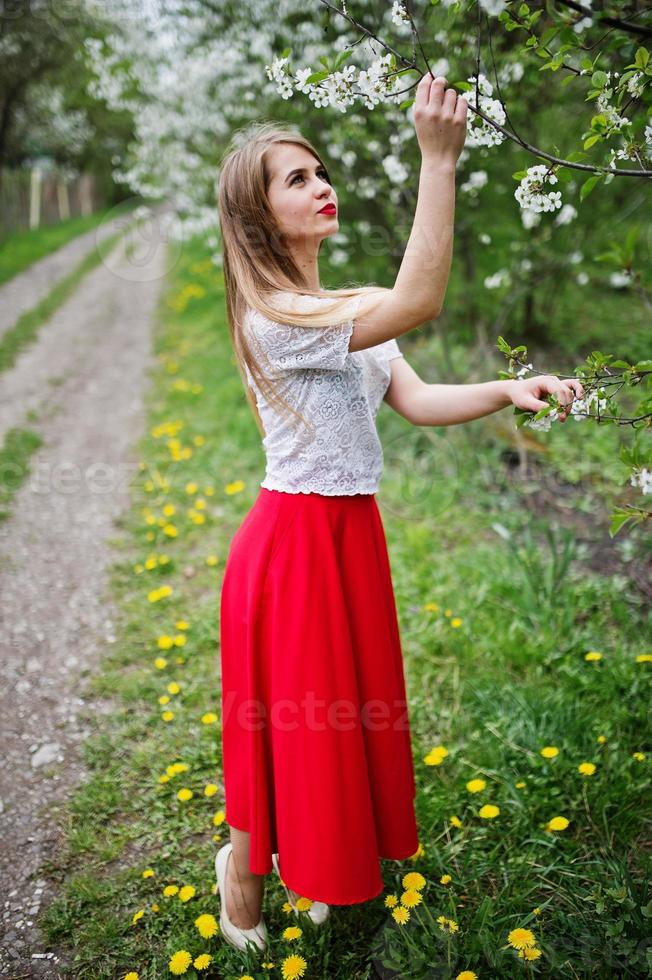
<point>286,53</point>
<point>599,79</point>
<point>588,186</point>
<point>642,57</point>
<point>317,76</point>
<point>618,519</point>
<point>519,175</point>
<point>591,140</point>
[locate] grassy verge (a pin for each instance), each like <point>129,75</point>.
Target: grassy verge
<point>20,249</point>
<point>498,612</point>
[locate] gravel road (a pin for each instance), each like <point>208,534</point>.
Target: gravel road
<point>84,375</point>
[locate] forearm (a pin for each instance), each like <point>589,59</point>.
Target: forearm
<point>423,276</point>
<point>436,404</point>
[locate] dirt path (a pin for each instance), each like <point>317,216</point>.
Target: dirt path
<point>28,288</point>
<point>55,620</point>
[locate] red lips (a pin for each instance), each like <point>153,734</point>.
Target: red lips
<point>328,209</point>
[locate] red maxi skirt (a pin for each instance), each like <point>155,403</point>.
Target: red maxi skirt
<point>317,759</point>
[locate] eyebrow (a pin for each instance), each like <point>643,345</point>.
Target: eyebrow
<point>301,170</point>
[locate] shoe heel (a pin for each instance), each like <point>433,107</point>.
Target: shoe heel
<point>239,938</point>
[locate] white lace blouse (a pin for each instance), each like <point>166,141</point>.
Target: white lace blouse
<point>338,390</point>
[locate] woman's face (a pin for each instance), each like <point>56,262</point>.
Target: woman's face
<point>298,190</point>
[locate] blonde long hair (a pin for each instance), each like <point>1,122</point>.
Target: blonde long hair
<point>255,266</point>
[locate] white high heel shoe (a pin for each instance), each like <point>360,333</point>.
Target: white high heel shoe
<point>318,911</point>
<point>232,934</point>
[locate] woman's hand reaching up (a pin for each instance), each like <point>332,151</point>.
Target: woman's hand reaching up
<point>440,120</point>
<point>527,393</point>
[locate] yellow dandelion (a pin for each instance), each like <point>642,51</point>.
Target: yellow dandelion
<point>413,879</point>
<point>520,784</point>
<point>488,811</point>
<point>180,640</point>
<point>420,851</point>
<point>401,915</point>
<point>131,976</point>
<point>169,510</point>
<point>173,688</point>
<point>138,915</point>
<point>160,663</point>
<point>476,785</point>
<point>436,756</point>
<point>210,789</point>
<point>521,938</point>
<point>191,488</point>
<point>182,624</point>
<point>467,975</point>
<point>246,977</point>
<point>164,699</point>
<point>155,907</point>
<point>445,880</point>
<point>218,818</point>
<point>170,890</point>
<point>148,873</point>
<point>536,911</point>
<point>293,966</point>
<point>167,715</point>
<point>211,560</point>
<point>639,756</point>
<point>431,607</point>
<point>448,925</point>
<point>586,768</point>
<point>557,823</point>
<point>180,962</point>
<point>549,751</point>
<point>601,739</point>
<point>267,966</point>
<point>185,794</point>
<point>206,925</point>
<point>209,718</point>
<point>530,953</point>
<point>593,656</point>
<point>292,933</point>
<point>187,892</point>
<point>644,658</point>
<point>455,622</point>
<point>448,612</point>
<point>202,961</point>
<point>391,901</point>
<point>235,487</point>
<point>411,898</point>
<point>304,904</point>
<point>455,822</point>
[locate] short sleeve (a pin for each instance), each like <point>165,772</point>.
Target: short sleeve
<point>392,349</point>
<point>288,347</point>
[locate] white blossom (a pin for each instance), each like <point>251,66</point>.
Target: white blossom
<point>531,193</point>
<point>484,238</point>
<point>500,278</point>
<point>399,14</point>
<point>595,403</point>
<point>635,84</point>
<point>575,257</point>
<point>395,170</point>
<point>480,133</point>
<point>581,278</point>
<point>566,215</point>
<point>530,218</point>
<point>543,424</point>
<point>642,478</point>
<point>619,280</point>
<point>492,7</point>
<point>476,180</point>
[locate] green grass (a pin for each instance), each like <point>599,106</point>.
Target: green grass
<point>498,607</point>
<point>20,249</point>
<point>19,446</point>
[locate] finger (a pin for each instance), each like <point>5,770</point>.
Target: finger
<point>577,387</point>
<point>450,100</point>
<point>461,108</point>
<point>437,91</point>
<point>423,91</point>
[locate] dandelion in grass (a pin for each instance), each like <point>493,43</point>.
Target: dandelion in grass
<point>436,756</point>
<point>170,890</point>
<point>521,938</point>
<point>401,915</point>
<point>488,811</point>
<point>536,911</point>
<point>420,851</point>
<point>211,560</point>
<point>455,822</point>
<point>530,953</point>
<point>165,642</point>
<point>638,756</point>
<point>292,933</point>
<point>413,879</point>
<point>155,907</point>
<point>267,966</point>
<point>592,656</point>
<point>160,663</point>
<point>476,785</point>
<point>235,487</point>
<point>138,915</point>
<point>164,699</point>
<point>304,904</point>
<point>391,901</point>
<point>131,976</point>
<point>206,925</point>
<point>445,880</point>
<point>173,688</point>
<point>557,824</point>
<point>182,624</point>
<point>455,622</point>
<point>209,718</point>
<point>447,925</point>
<point>185,794</point>
<point>187,892</point>
<point>180,962</point>
<point>210,789</point>
<point>410,898</point>
<point>293,966</point>
<point>431,607</point>
<point>549,751</point>
<point>467,975</point>
<point>586,768</point>
<point>520,784</point>
<point>167,715</point>
<point>246,977</point>
<point>202,962</point>
<point>148,873</point>
<point>644,658</point>
<point>601,739</point>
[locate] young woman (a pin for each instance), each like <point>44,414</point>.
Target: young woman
<point>318,770</point>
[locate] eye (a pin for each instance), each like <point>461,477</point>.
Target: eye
<point>297,176</point>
